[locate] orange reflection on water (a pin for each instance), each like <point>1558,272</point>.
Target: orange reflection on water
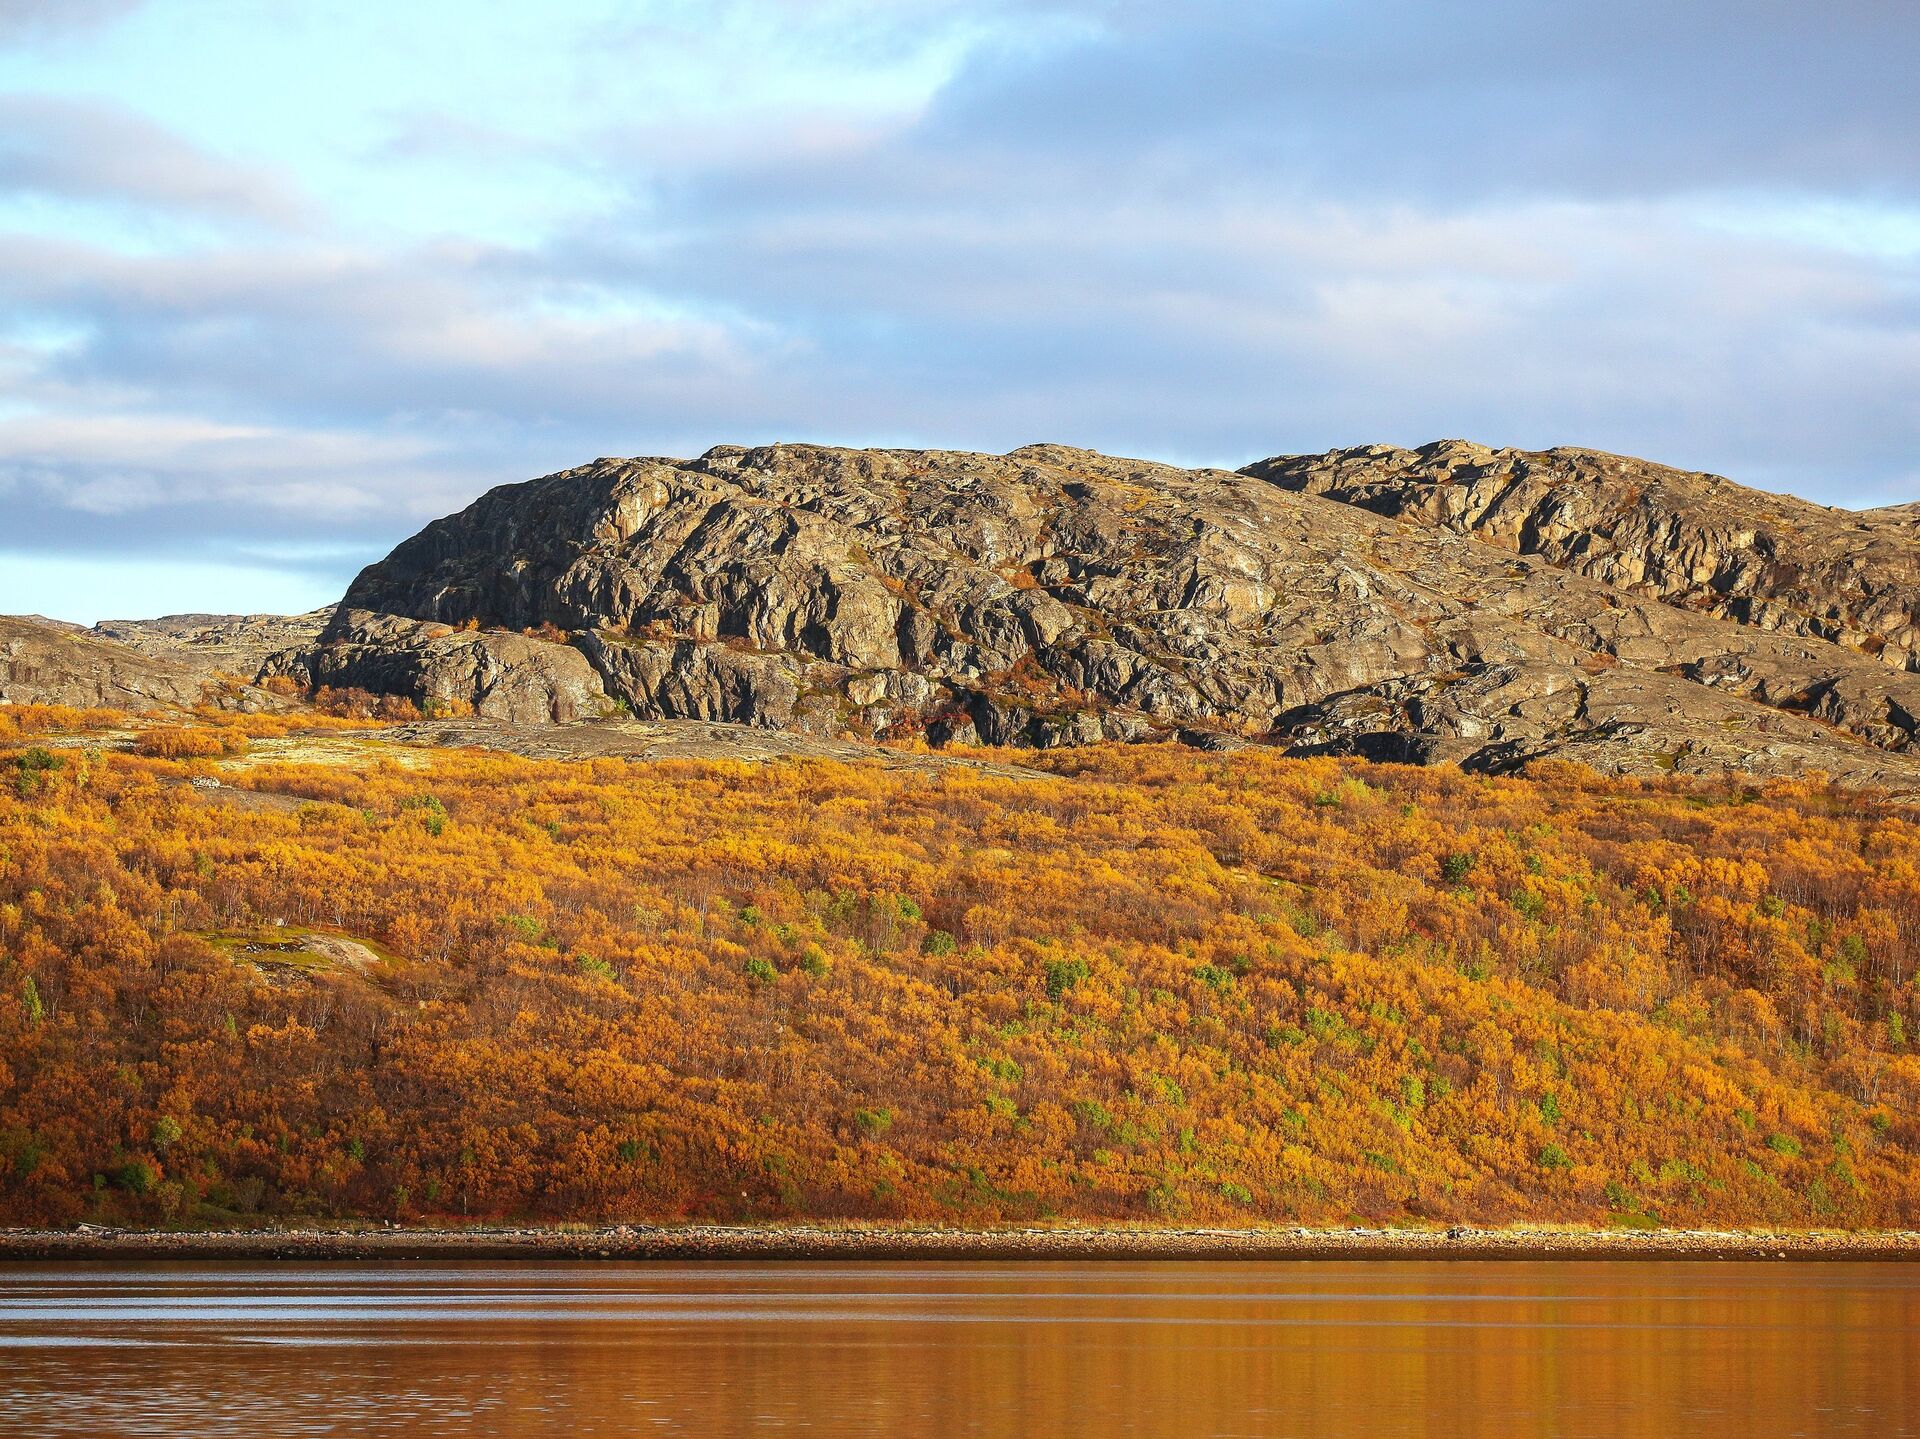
<point>1043,1349</point>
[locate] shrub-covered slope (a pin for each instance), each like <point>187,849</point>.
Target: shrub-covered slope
<point>1145,984</point>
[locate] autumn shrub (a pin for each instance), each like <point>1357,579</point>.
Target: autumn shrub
<point>177,742</point>
<point>346,703</point>
<point>1130,984</point>
<point>17,721</point>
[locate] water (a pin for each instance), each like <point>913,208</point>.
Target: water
<point>918,1351</point>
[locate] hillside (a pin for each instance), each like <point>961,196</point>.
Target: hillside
<point>1639,621</point>
<point>1697,541</point>
<point>1148,982</point>
<point>1488,608</point>
<point>168,664</point>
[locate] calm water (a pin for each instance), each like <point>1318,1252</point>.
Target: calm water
<point>912,1350</point>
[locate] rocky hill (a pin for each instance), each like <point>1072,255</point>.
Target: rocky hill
<point>1697,541</point>
<point>228,644</point>
<point>48,662</point>
<point>1505,607</point>
<point>1489,607</point>
<point>176,662</point>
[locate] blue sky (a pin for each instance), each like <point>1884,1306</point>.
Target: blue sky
<point>280,282</point>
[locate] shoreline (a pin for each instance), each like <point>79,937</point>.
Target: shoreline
<point>680,1243</point>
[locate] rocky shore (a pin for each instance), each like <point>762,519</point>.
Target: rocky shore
<point>817,1242</point>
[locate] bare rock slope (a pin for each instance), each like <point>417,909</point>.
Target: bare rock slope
<point>1057,596</point>
<point>217,644</point>
<point>178,662</point>
<point>47,662</point>
<point>1694,540</point>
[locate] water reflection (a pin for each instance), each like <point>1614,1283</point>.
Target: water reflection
<point>1189,1350</point>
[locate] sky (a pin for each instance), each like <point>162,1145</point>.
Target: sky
<point>280,283</point>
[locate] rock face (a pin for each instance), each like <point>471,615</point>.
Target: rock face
<point>1696,541</point>
<point>226,644</point>
<point>47,662</point>
<point>503,676</point>
<point>1055,596</point>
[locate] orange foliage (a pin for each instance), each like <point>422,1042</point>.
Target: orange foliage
<point>345,703</point>
<point>1152,984</point>
<point>19,720</point>
<point>281,723</point>
<point>176,742</point>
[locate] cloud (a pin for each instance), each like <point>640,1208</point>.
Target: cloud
<point>1207,234</point>
<point>1460,98</point>
<point>33,19</point>
<point>92,151</point>
<point>168,479</point>
<point>1109,322</point>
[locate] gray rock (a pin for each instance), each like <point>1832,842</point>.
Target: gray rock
<point>48,662</point>
<point>228,644</point>
<point>498,675</point>
<point>1698,541</point>
<point>1055,596</point>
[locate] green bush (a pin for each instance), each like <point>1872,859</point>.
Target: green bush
<point>1456,867</point>
<point>33,766</point>
<point>1063,974</point>
<point>137,1176</point>
<point>1096,1114</point>
<point>434,814</point>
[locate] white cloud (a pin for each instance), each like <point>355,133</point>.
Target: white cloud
<point>1205,234</point>
<point>95,151</point>
<point>29,19</point>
